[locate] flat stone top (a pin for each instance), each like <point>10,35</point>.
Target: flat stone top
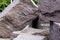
<point>25,36</point>
<point>4,39</point>
<point>49,5</point>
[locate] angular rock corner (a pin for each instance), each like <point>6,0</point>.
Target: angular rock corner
<point>16,16</point>
<point>29,37</point>
<point>28,34</point>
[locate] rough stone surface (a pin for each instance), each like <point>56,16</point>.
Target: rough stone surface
<point>21,14</point>
<point>31,31</point>
<point>49,5</point>
<point>42,24</point>
<point>17,18</point>
<point>55,31</point>
<point>29,37</point>
<point>50,9</point>
<point>4,39</point>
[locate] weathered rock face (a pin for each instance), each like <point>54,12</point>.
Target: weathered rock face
<point>17,18</point>
<point>5,28</point>
<point>43,24</point>
<point>30,31</point>
<point>20,15</point>
<point>27,2</point>
<point>55,31</point>
<point>49,6</point>
<point>50,9</point>
<point>29,37</point>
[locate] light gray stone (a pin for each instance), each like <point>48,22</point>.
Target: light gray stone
<point>29,37</point>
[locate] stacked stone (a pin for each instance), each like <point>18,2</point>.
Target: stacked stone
<point>50,10</point>
<point>17,18</point>
<point>24,35</point>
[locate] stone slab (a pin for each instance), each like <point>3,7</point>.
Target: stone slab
<point>25,36</point>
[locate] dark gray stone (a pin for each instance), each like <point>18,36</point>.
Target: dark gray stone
<point>50,9</point>
<point>54,32</point>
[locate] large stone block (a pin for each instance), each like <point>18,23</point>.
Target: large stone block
<point>50,10</point>
<point>17,18</point>
<point>31,31</point>
<point>29,37</point>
